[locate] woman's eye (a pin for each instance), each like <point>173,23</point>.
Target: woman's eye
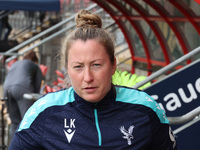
<point>77,67</point>
<point>96,65</point>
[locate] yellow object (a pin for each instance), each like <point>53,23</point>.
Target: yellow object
<point>127,79</point>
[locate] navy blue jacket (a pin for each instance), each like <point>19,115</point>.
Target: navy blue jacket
<point>124,119</point>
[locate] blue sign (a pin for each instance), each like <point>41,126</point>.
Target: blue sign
<point>178,94</point>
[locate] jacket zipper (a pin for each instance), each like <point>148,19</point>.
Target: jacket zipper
<point>97,126</point>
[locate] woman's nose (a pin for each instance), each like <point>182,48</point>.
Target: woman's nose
<point>88,77</point>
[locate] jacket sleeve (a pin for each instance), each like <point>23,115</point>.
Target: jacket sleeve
<point>162,137</point>
<point>29,135</point>
<point>23,141</point>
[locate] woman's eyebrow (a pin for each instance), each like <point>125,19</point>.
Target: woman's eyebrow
<point>91,61</point>
<point>97,60</point>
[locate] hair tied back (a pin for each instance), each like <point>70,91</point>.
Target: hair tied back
<point>85,18</point>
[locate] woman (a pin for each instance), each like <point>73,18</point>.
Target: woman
<point>93,113</point>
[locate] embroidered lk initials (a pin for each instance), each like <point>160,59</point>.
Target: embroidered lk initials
<point>69,132</point>
<point>69,123</point>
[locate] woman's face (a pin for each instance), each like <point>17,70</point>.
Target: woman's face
<point>90,70</point>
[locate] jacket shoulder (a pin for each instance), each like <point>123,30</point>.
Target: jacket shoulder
<point>133,96</point>
<point>58,98</point>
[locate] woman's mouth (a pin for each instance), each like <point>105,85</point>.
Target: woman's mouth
<point>90,89</point>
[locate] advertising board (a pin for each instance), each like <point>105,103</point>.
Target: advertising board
<point>178,94</point>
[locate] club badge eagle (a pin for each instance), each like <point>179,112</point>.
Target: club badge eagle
<point>128,134</point>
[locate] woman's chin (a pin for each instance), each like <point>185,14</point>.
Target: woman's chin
<point>92,98</point>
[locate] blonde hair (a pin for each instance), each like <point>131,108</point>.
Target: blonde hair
<point>88,27</point>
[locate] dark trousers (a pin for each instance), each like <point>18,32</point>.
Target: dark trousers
<point>17,105</point>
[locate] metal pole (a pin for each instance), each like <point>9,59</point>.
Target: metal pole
<point>168,67</point>
<point>47,39</point>
<point>2,129</point>
<point>186,125</point>
<point>45,32</point>
<point>42,41</point>
<point>10,54</point>
<point>185,118</point>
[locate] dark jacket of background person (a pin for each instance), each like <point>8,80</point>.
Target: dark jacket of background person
<point>23,77</point>
<point>25,74</point>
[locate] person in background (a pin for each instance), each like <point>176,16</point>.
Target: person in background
<point>5,27</point>
<point>24,76</point>
<point>93,113</point>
